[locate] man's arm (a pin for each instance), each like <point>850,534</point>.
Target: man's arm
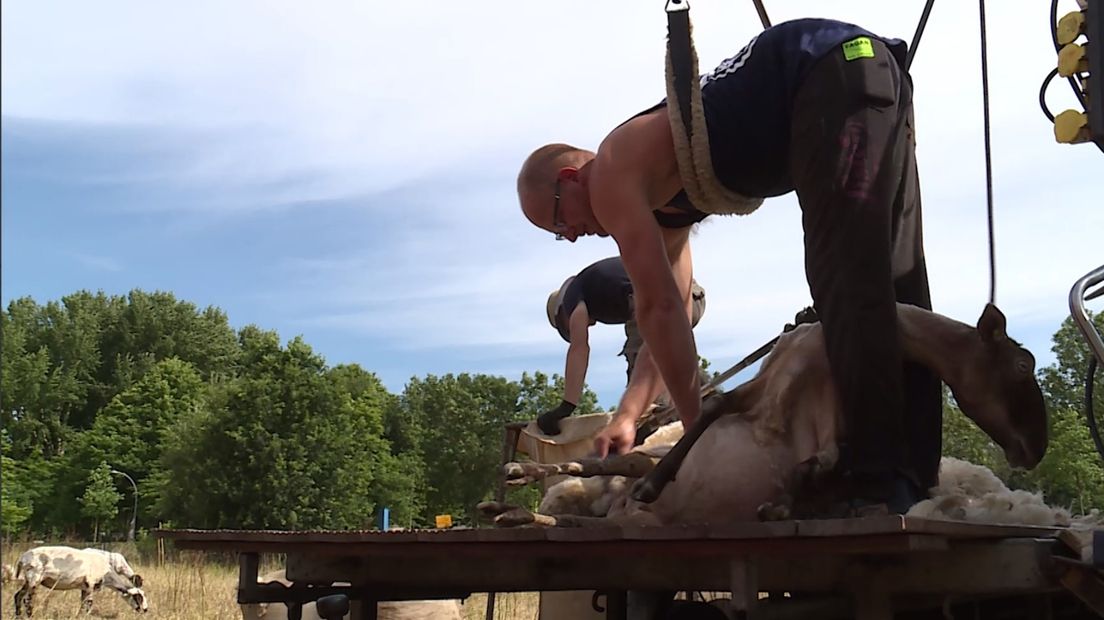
<point>646,383</point>
<point>620,188</point>
<point>578,358</point>
<point>578,354</point>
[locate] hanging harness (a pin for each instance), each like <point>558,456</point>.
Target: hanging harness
<point>687,118</point>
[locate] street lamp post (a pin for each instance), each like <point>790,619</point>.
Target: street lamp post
<point>134,514</point>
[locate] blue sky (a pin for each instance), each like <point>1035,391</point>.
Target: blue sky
<point>345,171</point>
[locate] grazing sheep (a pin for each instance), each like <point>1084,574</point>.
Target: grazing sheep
<point>66,568</point>
<point>118,564</point>
<point>393,610</point>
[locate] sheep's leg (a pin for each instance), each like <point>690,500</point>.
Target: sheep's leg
<point>28,601</point>
<point>20,596</point>
<point>86,598</point>
<point>508,515</point>
<point>631,465</point>
<point>648,488</point>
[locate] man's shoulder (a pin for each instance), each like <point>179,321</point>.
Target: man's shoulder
<point>641,150</point>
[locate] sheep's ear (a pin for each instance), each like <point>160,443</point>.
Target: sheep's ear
<point>991,325</point>
<point>137,579</point>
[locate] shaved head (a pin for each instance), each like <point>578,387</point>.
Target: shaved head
<point>537,177</point>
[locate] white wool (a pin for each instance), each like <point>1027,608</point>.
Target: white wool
<point>969,492</point>
<point>661,441</point>
<point>963,477</point>
<point>587,497</point>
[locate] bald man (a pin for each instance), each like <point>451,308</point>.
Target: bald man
<point>600,293</point>
<point>817,107</point>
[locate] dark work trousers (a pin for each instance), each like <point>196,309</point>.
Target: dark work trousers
<point>854,167</point>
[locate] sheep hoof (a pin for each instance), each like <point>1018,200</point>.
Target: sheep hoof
<point>490,510</point>
<point>515,517</point>
<point>646,491</point>
<point>773,512</point>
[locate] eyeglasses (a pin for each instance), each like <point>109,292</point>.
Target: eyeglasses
<point>557,226</point>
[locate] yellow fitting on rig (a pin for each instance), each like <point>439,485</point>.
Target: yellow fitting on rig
<point>1072,60</point>
<point>1071,127</point>
<point>1071,26</point>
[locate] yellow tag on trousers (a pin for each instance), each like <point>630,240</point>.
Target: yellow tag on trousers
<point>858,48</point>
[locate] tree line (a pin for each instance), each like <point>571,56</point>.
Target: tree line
<point>225,428</point>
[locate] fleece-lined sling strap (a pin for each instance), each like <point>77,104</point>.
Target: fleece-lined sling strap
<point>687,118</point>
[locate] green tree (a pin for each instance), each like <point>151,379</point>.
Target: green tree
<point>962,439</point>
<point>400,481</point>
<point>539,393</point>
<point>100,501</point>
<point>46,366</point>
<point>129,432</point>
<point>15,502</point>
<point>462,419</point>
<point>1070,474</point>
<point>279,446</point>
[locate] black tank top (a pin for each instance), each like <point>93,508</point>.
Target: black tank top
<point>748,103</point>
<point>606,290</point>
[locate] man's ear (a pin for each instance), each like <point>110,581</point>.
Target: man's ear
<point>568,173</point>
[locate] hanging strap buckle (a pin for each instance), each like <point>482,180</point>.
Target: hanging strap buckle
<point>675,6</point>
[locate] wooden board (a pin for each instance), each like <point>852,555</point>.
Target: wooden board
<point>242,540</point>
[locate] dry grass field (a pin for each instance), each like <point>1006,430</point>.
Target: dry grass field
<point>192,587</point>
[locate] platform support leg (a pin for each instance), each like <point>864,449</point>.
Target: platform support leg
<point>363,609</point>
<point>248,568</point>
<point>617,605</point>
<point>745,587</point>
<point>873,604</point>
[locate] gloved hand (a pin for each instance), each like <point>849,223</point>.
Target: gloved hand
<point>549,421</point>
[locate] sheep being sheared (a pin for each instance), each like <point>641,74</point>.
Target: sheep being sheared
<point>763,442</point>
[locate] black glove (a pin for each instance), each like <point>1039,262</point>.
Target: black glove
<point>549,421</point>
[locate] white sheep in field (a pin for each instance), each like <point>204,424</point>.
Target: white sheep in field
<point>66,568</point>
<point>388,610</point>
<point>118,564</point>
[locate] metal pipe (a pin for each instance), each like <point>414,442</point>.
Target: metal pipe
<point>134,514</point>
<point>1077,299</point>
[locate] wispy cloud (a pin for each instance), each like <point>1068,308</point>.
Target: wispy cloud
<point>101,263</point>
<point>348,173</point>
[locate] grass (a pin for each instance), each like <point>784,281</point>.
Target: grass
<point>192,585</point>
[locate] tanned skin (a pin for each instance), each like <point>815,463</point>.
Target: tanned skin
<point>614,193</point>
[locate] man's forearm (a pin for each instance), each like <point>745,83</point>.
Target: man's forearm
<point>644,386</point>
<point>672,350</point>
<point>578,358</point>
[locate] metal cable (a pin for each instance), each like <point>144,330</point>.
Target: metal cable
<point>988,157</point>
<point>919,32</point>
<point>1042,94</point>
<point>759,8</point>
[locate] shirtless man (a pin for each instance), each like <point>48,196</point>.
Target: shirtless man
<point>817,107</point>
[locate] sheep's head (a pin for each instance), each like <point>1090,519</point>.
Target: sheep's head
<point>1000,392</point>
<point>137,599</point>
